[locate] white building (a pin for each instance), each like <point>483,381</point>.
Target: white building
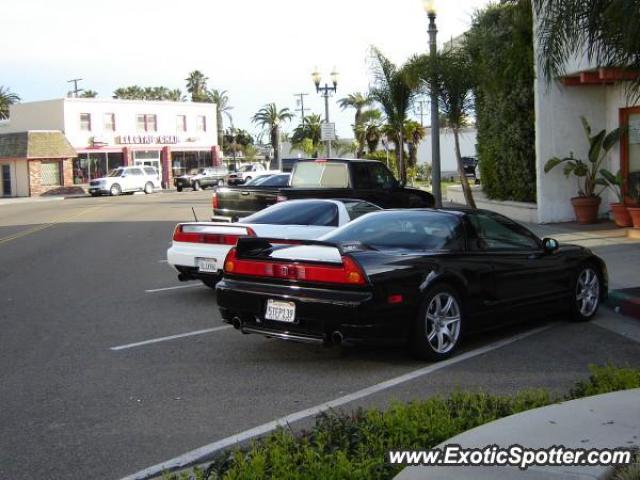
<point>174,137</point>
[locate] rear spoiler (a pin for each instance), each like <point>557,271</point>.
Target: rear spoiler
<point>254,246</point>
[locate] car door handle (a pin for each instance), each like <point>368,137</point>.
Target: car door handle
<point>244,193</point>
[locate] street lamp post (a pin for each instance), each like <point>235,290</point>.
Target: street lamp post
<point>326,93</point>
<point>429,7</point>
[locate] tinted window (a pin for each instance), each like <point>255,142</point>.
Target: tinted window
<point>358,208</point>
<point>320,174</point>
<point>257,180</point>
<point>416,230</point>
<point>372,175</point>
<point>318,213</point>
<point>274,181</point>
<point>493,232</point>
<point>134,171</point>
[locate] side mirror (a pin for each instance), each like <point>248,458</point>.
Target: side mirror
<point>550,245</point>
<point>123,175</point>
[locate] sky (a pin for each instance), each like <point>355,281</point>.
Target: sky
<point>259,51</point>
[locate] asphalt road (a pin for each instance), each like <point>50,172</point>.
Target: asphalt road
<point>81,276</point>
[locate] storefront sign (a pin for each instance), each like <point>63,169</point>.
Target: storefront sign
<point>147,139</point>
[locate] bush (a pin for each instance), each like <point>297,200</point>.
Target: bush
<point>355,445</point>
<point>500,43</point>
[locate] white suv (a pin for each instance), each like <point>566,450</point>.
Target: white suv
<point>126,180</point>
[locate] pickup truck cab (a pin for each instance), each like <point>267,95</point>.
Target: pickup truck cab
<point>368,180</point>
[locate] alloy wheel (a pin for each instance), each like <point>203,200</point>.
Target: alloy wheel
<point>442,322</point>
<point>587,292</point>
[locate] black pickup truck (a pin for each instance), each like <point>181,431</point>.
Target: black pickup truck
<point>332,178</point>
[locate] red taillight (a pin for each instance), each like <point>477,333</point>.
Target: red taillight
<point>214,200</point>
<point>348,273</point>
<point>394,299</point>
<point>179,235</point>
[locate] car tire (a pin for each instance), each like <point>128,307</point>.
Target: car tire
<point>196,186</point>
<point>437,330</point>
<point>179,188</point>
<point>210,282</point>
<point>95,194</point>
<point>587,288</point>
<point>148,188</point>
<point>115,190</point>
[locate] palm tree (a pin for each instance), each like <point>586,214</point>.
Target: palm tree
<point>413,133</point>
<point>197,86</point>
<point>452,74</point>
<point>372,125</point>
<point>269,119</point>
<point>175,95</point>
<point>89,94</point>
<point>7,98</point>
<point>310,129</point>
<point>133,92</point>
<point>221,99</point>
<point>359,102</point>
<point>606,30</point>
<point>394,92</point>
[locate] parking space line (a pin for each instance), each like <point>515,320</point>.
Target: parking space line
<point>177,287</point>
<point>203,454</point>
<point>171,337</point>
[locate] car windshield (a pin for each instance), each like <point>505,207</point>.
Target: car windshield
<point>412,230</point>
<point>307,212</point>
<point>116,172</point>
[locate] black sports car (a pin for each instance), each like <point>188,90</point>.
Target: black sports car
<point>426,277</point>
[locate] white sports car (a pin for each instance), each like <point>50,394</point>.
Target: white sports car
<point>198,249</point>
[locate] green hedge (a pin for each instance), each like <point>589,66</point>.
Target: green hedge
<point>354,446</point>
<point>500,43</point>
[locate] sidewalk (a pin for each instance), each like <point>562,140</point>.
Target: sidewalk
<point>603,421</point>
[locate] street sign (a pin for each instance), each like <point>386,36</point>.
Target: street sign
<point>328,131</point>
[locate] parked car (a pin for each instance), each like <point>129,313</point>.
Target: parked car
<point>126,180</point>
<point>470,165</point>
<point>198,249</point>
<point>419,277</point>
<point>201,179</point>
<point>336,178</point>
<point>247,172</point>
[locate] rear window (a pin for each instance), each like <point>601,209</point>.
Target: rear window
<point>357,208</point>
<point>320,174</point>
<point>417,230</point>
<point>273,181</point>
<point>317,213</point>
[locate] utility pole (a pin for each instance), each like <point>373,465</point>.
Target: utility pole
<point>75,90</point>
<point>301,104</point>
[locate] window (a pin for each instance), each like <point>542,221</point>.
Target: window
<point>184,162</point>
<point>85,122</point>
<point>89,166</point>
<point>493,232</point>
<point>370,175</point>
<point>357,208</point>
<point>135,171</point>
<point>181,123</point>
<point>150,171</point>
<point>147,122</point>
<point>110,122</point>
<point>321,174</point>
<point>201,123</point>
<point>307,212</point>
<point>409,230</point>
<point>50,174</point>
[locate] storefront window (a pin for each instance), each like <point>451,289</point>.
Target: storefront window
<point>633,153</point>
<point>88,166</point>
<point>189,162</point>
<point>50,174</point>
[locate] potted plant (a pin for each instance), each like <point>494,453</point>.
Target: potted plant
<point>587,172</point>
<point>634,211</point>
<point>619,210</point>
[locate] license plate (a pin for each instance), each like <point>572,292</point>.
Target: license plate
<point>281,311</point>
<point>207,265</point>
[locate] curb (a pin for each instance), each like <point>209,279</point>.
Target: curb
<point>625,301</point>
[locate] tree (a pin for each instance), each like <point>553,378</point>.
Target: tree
<point>310,130</point>
<point>359,102</point>
<point>197,86</point>
<point>451,74</point>
<point>269,118</point>
<point>7,98</point>
<point>393,91</point>
<point>136,92</point>
<point>372,125</point>
<point>606,30</point>
<point>89,94</point>
<point>221,99</point>
<point>413,133</point>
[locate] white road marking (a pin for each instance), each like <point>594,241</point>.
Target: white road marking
<point>177,287</point>
<point>171,337</point>
<point>206,452</point>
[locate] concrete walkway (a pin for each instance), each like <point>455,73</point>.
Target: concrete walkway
<point>603,421</point>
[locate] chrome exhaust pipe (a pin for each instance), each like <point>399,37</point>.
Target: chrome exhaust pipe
<point>237,323</point>
<point>336,337</point>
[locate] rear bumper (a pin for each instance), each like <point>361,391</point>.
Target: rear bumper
<point>320,313</point>
<point>184,258</point>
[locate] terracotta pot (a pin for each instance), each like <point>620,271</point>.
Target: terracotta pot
<point>634,212</point>
<point>621,215</point>
<point>586,209</point>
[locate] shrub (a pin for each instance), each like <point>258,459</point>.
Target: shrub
<point>354,445</point>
